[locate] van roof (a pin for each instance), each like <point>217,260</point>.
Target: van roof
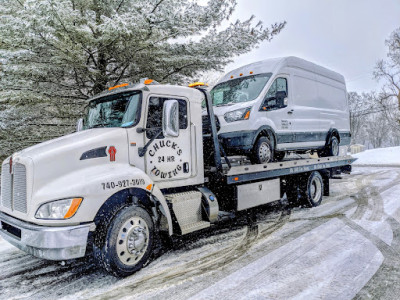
<point>273,65</point>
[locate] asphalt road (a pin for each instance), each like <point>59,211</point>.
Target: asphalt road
<point>348,247</point>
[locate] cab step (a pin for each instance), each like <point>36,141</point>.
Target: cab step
<point>187,207</point>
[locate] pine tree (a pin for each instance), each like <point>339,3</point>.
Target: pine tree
<point>54,54</point>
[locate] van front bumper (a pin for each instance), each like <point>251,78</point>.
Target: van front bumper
<point>52,243</point>
<point>239,141</point>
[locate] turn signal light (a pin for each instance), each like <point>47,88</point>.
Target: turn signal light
<point>148,81</point>
<point>73,208</point>
<point>247,115</point>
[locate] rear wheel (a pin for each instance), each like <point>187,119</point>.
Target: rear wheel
<point>128,243</point>
<point>332,149</point>
<point>263,151</point>
<point>311,189</point>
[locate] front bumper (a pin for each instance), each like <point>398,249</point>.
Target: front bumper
<point>52,243</point>
<point>239,141</point>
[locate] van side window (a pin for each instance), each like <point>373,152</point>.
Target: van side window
<point>272,99</point>
<point>154,117</point>
<point>279,85</point>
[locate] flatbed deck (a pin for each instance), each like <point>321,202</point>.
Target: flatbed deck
<point>248,172</point>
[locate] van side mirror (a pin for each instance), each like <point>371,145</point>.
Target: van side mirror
<point>275,102</point>
<point>280,99</point>
<point>79,125</point>
<point>170,118</point>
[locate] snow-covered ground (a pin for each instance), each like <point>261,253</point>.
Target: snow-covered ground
<point>382,156</point>
<point>346,248</point>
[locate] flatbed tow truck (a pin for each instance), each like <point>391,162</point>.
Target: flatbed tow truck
<point>117,188</point>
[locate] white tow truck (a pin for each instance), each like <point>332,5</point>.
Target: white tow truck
<point>135,171</point>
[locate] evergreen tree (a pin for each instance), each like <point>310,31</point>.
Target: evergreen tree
<point>54,54</point>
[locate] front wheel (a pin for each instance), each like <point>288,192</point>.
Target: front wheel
<point>128,243</point>
<point>263,151</point>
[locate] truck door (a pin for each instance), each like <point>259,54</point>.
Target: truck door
<point>167,158</point>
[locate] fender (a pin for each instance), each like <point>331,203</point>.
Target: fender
<point>270,131</point>
<point>122,198</point>
<point>331,132</point>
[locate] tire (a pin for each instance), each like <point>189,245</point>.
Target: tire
<point>263,151</point>
<point>312,189</point>
<point>332,149</point>
<point>128,243</point>
<point>279,155</point>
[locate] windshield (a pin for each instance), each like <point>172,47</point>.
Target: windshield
<point>239,90</point>
<point>121,110</point>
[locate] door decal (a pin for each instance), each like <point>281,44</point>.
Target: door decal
<point>165,159</point>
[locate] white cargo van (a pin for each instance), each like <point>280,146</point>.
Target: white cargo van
<point>268,108</point>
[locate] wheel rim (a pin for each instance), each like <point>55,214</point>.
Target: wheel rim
<point>264,152</point>
<point>316,190</point>
<point>335,146</point>
<point>133,240</point>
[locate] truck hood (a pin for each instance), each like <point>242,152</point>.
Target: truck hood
<point>69,154</point>
<point>70,148</point>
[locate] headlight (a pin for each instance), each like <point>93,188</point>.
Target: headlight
<point>60,209</point>
<point>236,115</point>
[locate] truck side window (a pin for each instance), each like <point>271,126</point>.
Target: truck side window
<point>154,118</point>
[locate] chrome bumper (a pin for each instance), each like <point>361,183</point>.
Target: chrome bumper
<point>53,243</point>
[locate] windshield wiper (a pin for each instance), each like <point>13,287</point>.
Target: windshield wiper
<point>225,104</point>
<point>99,125</point>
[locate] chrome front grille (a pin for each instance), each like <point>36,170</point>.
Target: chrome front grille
<point>13,188</point>
<point>6,186</point>
<point>19,188</point>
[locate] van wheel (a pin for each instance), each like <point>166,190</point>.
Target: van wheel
<point>128,243</point>
<point>312,189</point>
<point>332,149</point>
<point>279,155</point>
<point>263,151</point>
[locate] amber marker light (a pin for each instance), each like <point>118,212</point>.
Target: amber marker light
<point>149,187</point>
<point>194,84</point>
<point>236,178</point>
<point>247,115</point>
<point>231,76</point>
<point>241,74</point>
<point>148,81</point>
<point>251,72</point>
<point>118,86</point>
<point>76,202</point>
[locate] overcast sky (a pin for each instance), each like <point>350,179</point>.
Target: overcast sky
<point>347,36</point>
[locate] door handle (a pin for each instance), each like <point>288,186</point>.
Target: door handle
<point>290,112</point>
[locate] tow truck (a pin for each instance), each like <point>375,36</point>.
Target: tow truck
<point>134,172</point>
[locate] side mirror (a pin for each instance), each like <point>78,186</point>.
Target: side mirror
<point>79,125</point>
<point>170,118</point>
<point>280,99</point>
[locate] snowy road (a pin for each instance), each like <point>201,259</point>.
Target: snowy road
<point>349,247</point>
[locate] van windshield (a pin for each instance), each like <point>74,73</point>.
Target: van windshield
<point>242,89</point>
<point>121,110</point>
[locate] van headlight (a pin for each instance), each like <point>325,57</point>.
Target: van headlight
<point>237,115</point>
<point>59,209</point>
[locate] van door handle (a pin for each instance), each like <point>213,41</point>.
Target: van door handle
<point>290,112</point>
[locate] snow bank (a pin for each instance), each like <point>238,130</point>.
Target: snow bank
<point>382,156</point>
